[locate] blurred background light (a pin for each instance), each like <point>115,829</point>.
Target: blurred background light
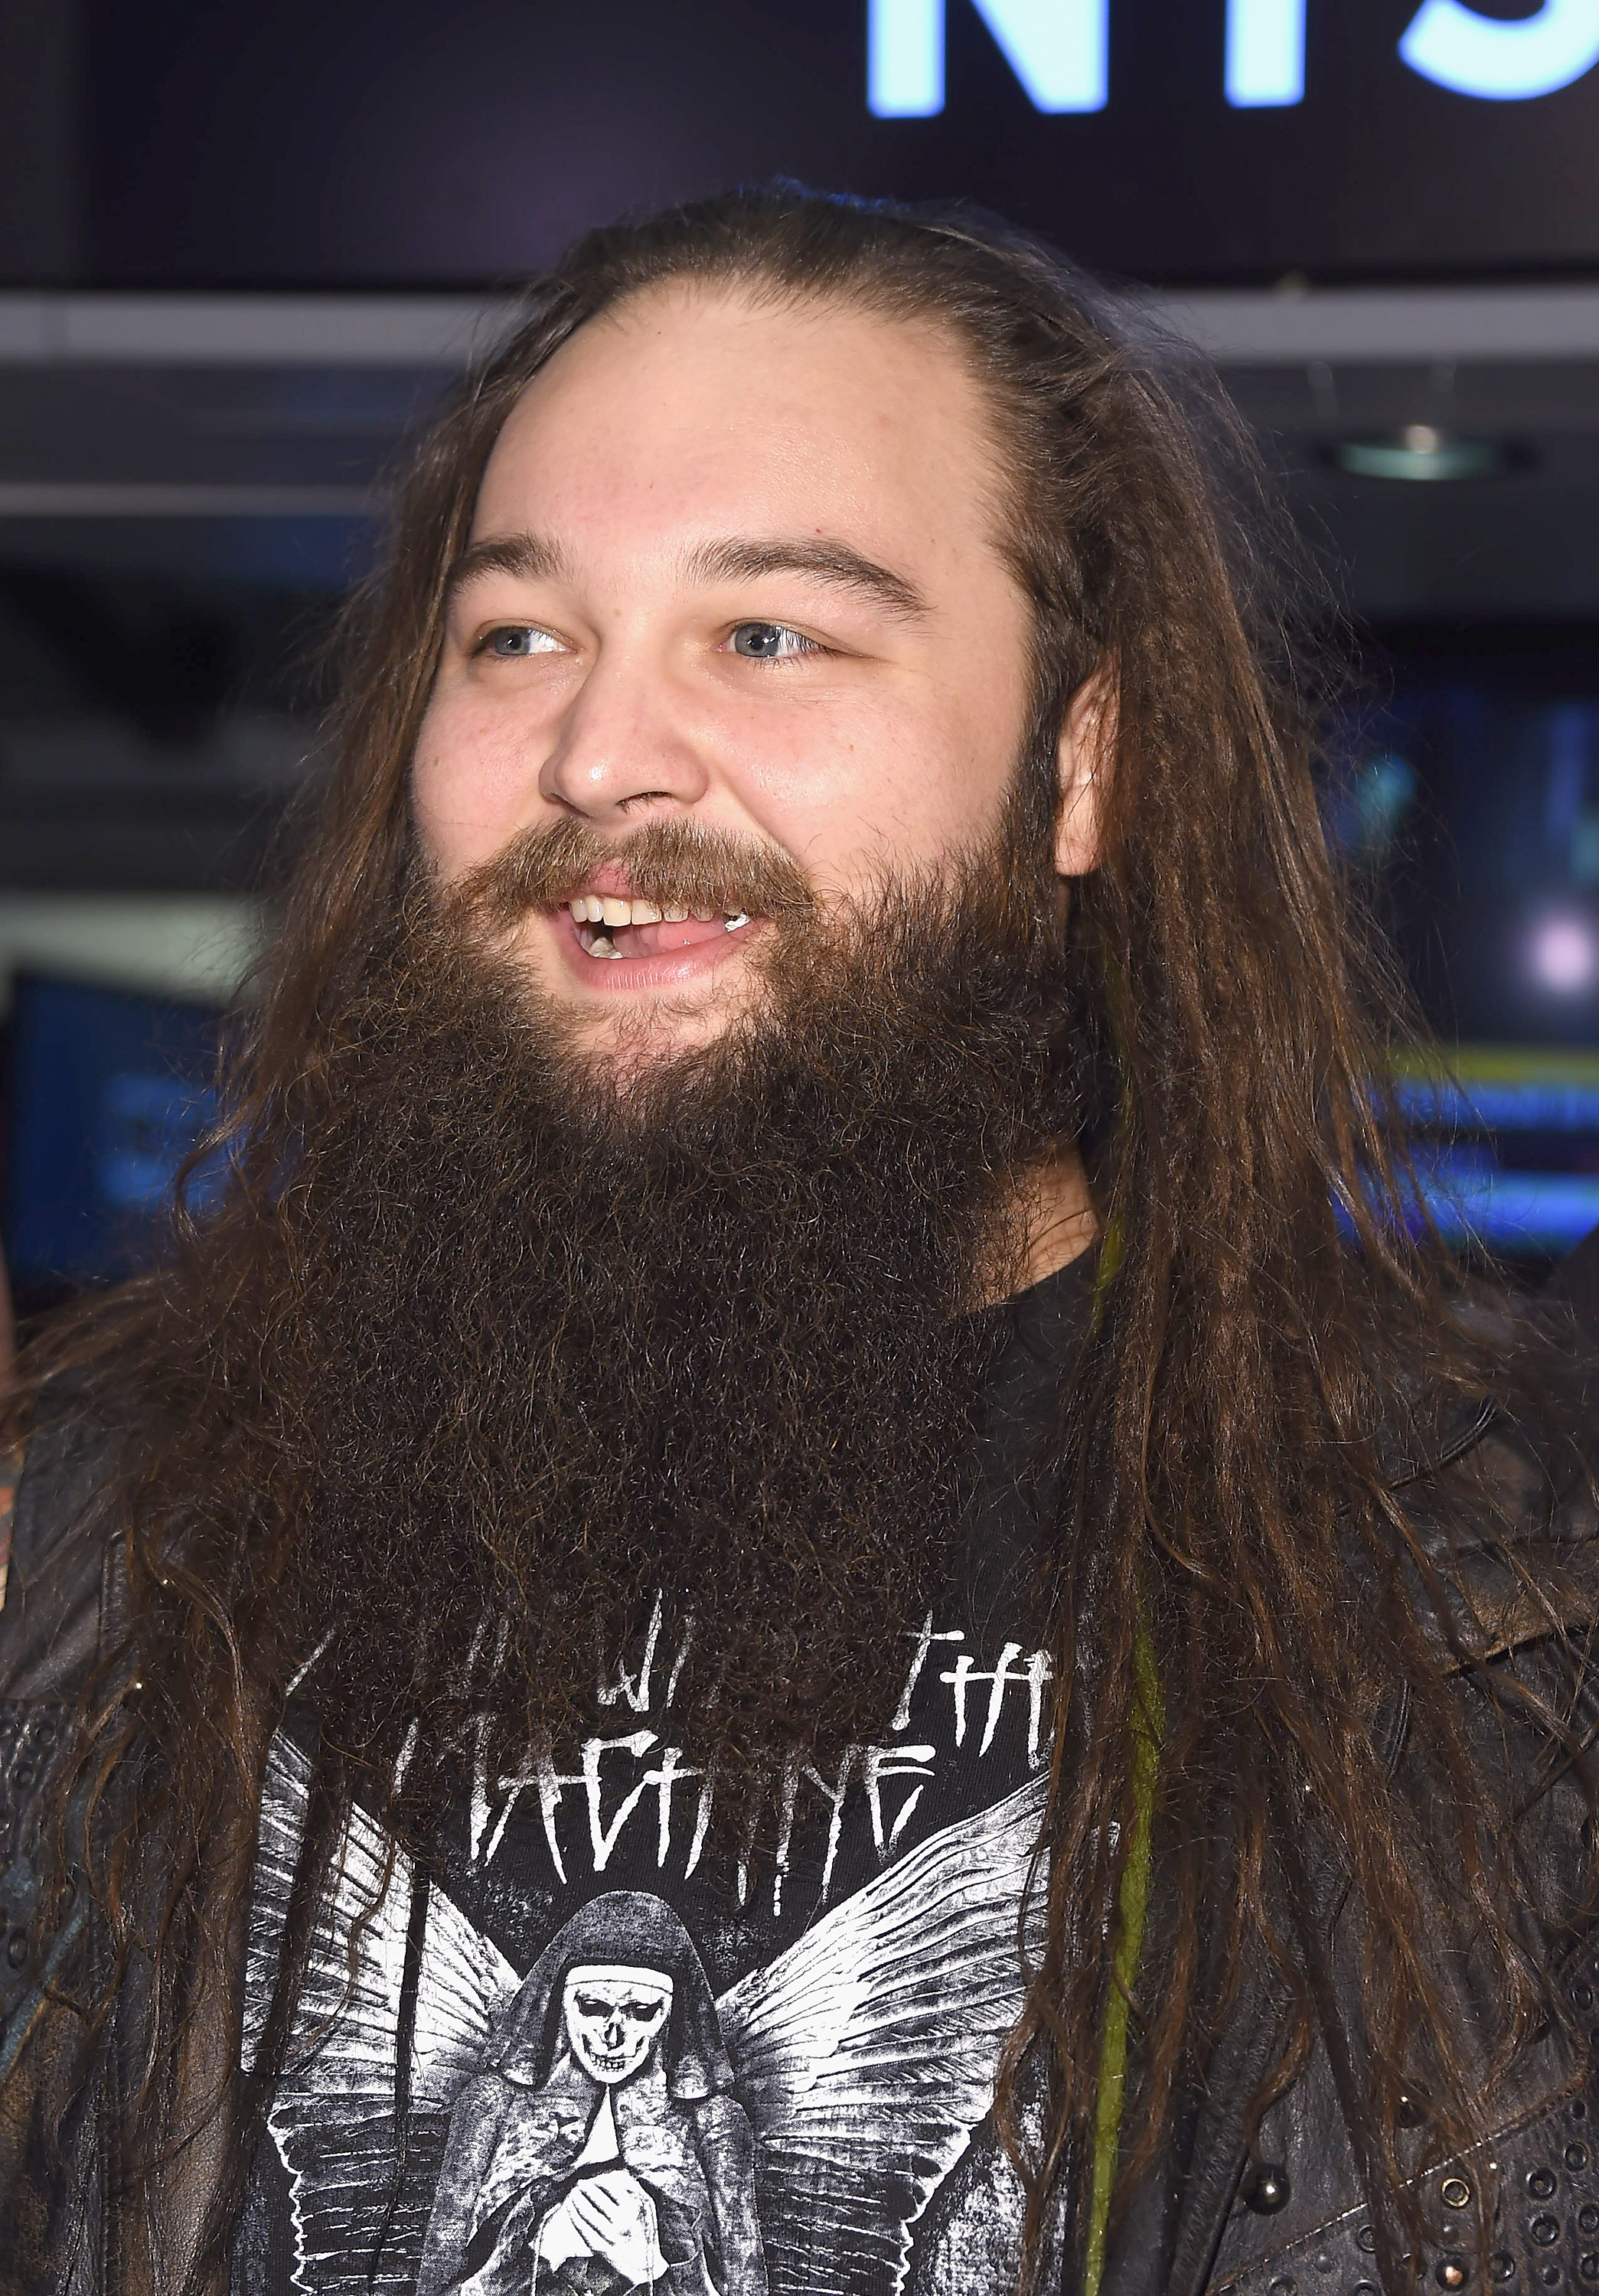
<point>1366,810</point>
<point>1418,450</point>
<point>1563,955</point>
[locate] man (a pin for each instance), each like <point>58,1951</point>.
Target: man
<point>814,1336</point>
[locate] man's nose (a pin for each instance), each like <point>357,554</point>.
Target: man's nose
<point>621,750</point>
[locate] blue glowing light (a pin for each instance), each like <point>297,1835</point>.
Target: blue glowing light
<point>1514,1212</point>
<point>1058,49</point>
<point>1266,52</point>
<point>148,1125</point>
<point>1499,1105</point>
<point>1505,60</point>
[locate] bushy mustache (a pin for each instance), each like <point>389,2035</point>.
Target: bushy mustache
<point>671,862</point>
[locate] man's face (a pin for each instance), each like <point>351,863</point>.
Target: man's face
<point>735,571</point>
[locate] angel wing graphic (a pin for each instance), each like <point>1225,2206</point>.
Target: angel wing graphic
<point>360,2186</point>
<point>865,2056</point>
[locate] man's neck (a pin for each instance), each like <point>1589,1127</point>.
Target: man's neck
<point>1060,1220</point>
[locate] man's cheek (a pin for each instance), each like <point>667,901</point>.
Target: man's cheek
<point>473,785</point>
<point>436,803</point>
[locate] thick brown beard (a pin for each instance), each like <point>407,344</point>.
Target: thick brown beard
<point>544,1348</point>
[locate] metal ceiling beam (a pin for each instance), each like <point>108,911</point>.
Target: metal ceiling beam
<point>255,330</point>
<point>1375,325</point>
<point>179,498</point>
<point>1281,326</point>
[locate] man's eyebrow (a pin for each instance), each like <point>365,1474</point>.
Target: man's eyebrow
<point>528,557</point>
<point>536,557</point>
<point>822,561</point>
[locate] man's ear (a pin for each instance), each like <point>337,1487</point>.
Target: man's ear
<point>1087,745</point>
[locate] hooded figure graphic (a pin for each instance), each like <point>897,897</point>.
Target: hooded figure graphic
<point>601,2150</point>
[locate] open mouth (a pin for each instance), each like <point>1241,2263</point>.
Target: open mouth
<point>610,926</point>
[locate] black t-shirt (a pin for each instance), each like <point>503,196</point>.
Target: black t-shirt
<point>574,2059</point>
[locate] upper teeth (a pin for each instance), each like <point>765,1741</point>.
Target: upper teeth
<point>606,909</point>
<point>611,909</point>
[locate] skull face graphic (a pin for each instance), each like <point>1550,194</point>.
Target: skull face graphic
<point>613,2015</point>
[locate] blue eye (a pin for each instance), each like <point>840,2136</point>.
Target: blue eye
<point>517,639</point>
<point>770,641</point>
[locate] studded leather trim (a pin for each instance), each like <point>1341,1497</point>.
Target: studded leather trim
<point>1543,2178</point>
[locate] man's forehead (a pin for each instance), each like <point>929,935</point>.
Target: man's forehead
<point>729,420</point>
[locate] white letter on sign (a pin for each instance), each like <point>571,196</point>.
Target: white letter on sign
<point>1057,49</point>
<point>905,58</point>
<point>1504,59</point>
<point>1266,52</point>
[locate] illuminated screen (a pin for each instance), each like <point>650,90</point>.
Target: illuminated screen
<point>107,1094</point>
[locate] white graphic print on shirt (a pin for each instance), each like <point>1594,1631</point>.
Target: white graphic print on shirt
<point>608,2116</point>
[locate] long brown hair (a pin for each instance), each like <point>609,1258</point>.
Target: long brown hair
<point>1265,1307</point>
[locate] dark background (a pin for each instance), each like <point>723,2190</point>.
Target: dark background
<point>355,143</point>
